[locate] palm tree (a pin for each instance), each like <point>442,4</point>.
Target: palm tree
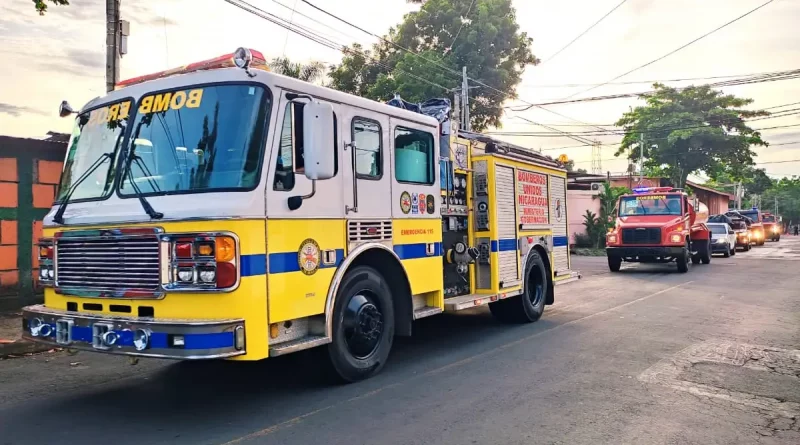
<point>309,72</point>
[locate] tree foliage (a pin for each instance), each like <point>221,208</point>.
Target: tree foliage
<point>309,72</point>
<point>608,201</point>
<point>595,229</point>
<point>482,35</point>
<point>787,190</point>
<point>691,130</point>
<point>41,5</point>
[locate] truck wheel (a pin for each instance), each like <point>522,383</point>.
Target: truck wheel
<point>614,263</point>
<point>363,325</point>
<point>529,306</point>
<point>684,259</point>
<point>705,252</point>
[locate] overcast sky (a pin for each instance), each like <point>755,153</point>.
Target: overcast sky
<point>62,55</point>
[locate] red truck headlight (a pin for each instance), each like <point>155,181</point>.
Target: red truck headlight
<point>200,262</point>
<point>611,238</point>
<point>676,238</point>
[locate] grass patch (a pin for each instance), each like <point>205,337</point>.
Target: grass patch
<point>588,251</point>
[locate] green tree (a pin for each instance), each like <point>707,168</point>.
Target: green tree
<point>691,130</point>
<point>482,35</point>
<point>309,72</point>
<point>595,228</point>
<point>608,202</point>
<point>41,5</point>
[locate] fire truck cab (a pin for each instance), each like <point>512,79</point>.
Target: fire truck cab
<point>659,225</point>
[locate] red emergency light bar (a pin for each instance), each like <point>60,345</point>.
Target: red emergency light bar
<point>242,58</point>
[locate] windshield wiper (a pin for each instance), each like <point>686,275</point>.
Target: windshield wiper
<point>145,205</point>
<point>59,216</point>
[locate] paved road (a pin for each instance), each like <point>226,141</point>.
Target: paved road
<point>646,356</point>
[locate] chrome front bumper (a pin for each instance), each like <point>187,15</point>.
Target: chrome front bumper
<point>176,339</point>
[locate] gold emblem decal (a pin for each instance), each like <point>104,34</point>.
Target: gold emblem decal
<point>308,257</point>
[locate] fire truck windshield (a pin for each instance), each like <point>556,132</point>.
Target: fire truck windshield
<point>769,218</point>
<point>97,132</point>
<point>205,138</point>
<point>650,205</point>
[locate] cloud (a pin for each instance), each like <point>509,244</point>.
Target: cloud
<point>17,111</point>
<point>86,59</point>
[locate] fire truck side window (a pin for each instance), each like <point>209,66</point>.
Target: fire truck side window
<point>290,149</point>
<point>414,157</point>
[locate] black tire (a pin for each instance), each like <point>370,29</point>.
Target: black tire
<point>733,250</point>
<point>705,252</point>
<point>727,253</point>
<point>614,263</point>
<point>747,248</point>
<point>363,325</point>
<point>683,260</point>
<point>696,259</point>
<point>529,306</point>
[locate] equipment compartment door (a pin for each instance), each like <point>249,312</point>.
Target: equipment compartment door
<point>506,244</point>
<point>558,218</point>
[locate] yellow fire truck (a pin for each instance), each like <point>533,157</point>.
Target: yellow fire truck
<point>222,211</point>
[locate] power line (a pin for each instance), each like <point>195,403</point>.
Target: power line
<point>677,49</point>
<point>450,48</point>
<point>585,31</point>
<point>621,132</point>
<point>634,82</point>
<point>776,115</point>
<point>781,106</point>
<point>502,94</point>
<point>770,77</point>
<point>778,162</point>
<point>784,143</point>
<point>309,34</point>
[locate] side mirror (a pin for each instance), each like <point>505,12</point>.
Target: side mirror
<point>65,109</point>
<point>319,155</point>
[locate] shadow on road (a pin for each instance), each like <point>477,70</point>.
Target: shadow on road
<point>205,400</point>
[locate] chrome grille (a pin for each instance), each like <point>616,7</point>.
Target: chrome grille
<point>116,264</point>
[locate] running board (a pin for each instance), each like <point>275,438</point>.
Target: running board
<point>564,278</point>
<point>298,345</point>
<point>462,302</point>
<point>426,311</point>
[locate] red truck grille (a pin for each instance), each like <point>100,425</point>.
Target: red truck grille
<point>641,236</point>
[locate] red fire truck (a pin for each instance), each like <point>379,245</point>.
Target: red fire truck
<point>659,225</point>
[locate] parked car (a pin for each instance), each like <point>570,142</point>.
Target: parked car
<point>740,226</point>
<point>723,239</point>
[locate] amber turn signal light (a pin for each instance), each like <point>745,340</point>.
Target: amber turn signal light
<point>225,248</point>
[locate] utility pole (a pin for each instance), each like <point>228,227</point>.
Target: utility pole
<point>465,99</point>
<point>112,44</point>
<point>456,121</point>
<point>117,32</point>
<point>641,157</point>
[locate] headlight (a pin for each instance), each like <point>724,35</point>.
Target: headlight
<point>612,239</point>
<point>676,238</point>
<point>720,240</point>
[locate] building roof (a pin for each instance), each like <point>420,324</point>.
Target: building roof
<point>709,189</point>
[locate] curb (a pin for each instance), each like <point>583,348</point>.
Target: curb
<point>21,347</point>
